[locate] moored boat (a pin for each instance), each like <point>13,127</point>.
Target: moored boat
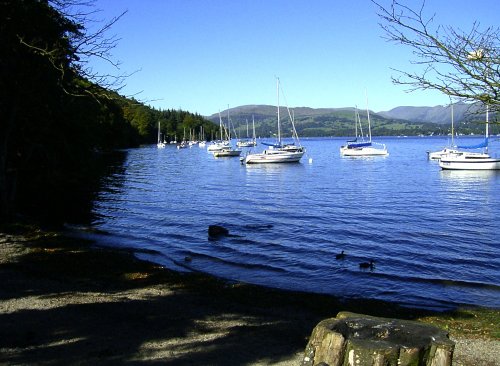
<point>469,161</point>
<point>359,146</point>
<point>278,155</point>
<point>227,152</point>
<point>219,144</point>
<point>437,155</point>
<point>160,144</point>
<point>278,152</point>
<point>248,142</point>
<point>465,160</point>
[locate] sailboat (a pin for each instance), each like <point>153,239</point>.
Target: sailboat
<point>227,150</point>
<point>248,142</point>
<point>220,144</point>
<point>436,155</point>
<point>184,144</point>
<point>278,152</point>
<point>359,146</point>
<point>202,142</point>
<point>160,144</point>
<point>465,160</point>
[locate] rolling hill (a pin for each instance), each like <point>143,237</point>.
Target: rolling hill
<point>312,122</point>
<point>438,114</point>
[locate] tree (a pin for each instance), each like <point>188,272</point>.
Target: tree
<point>48,135</point>
<point>90,44</point>
<point>457,63</point>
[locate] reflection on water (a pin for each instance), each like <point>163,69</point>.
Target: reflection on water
<point>464,176</point>
<point>418,223</point>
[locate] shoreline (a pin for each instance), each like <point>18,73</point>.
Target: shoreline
<point>65,300</point>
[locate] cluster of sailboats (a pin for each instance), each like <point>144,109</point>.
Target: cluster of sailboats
<point>223,147</point>
<point>453,157</point>
<point>278,152</point>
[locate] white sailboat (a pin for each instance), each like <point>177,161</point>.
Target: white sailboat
<point>465,160</point>
<point>248,142</point>
<point>184,144</point>
<point>202,142</point>
<point>219,144</point>
<point>436,155</point>
<point>160,144</point>
<point>228,150</point>
<point>278,152</point>
<point>359,146</point>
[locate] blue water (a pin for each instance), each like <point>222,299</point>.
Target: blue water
<point>433,234</point>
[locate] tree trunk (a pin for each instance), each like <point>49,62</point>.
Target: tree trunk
<point>361,340</point>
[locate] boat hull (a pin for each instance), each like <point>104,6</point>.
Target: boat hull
<point>469,163</point>
<point>272,157</point>
<point>363,151</point>
<point>226,153</point>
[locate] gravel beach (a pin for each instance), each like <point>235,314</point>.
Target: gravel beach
<point>63,301</point>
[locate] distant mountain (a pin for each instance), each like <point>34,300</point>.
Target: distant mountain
<point>313,122</point>
<point>438,114</point>
<point>267,111</point>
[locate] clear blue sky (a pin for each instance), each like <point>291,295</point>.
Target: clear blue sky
<point>203,55</point>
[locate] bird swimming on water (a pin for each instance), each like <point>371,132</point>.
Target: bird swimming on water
<point>366,264</point>
<point>340,255</point>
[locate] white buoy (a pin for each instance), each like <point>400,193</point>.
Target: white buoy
<point>310,160</point>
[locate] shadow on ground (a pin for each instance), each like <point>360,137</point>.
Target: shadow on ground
<point>63,302</point>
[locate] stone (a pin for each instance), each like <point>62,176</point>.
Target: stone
<point>353,339</point>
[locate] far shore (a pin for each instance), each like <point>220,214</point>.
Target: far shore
<point>66,301</point>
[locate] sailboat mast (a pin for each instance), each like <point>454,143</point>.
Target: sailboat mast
<point>368,115</point>
<point>278,97</point>
<point>228,125</point>
<point>356,117</point>
<point>452,126</point>
<point>253,128</point>
<point>487,126</point>
<point>220,127</point>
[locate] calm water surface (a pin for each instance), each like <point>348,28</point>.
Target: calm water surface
<point>433,234</point>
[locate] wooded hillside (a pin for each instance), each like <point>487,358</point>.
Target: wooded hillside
<point>56,124</point>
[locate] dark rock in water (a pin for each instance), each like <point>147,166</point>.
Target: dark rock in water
<point>356,339</point>
<point>216,230</point>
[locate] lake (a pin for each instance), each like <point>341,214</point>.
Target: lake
<point>433,234</point>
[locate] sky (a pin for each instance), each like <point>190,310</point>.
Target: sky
<point>205,55</point>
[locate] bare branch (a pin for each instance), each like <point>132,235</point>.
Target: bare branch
<point>95,44</point>
<point>457,63</point>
